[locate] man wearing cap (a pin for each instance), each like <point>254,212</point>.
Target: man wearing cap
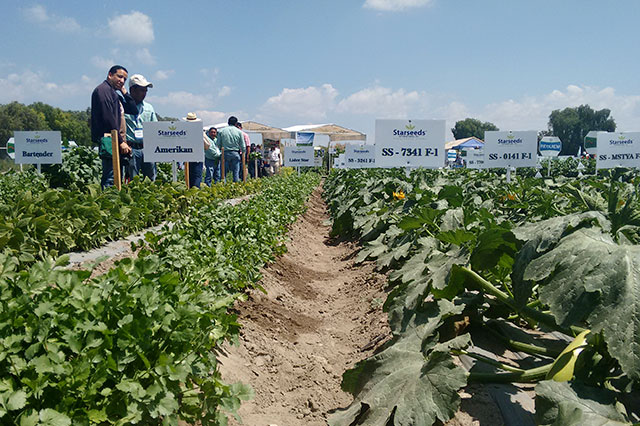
<point>138,86</point>
<point>107,107</point>
<point>231,139</point>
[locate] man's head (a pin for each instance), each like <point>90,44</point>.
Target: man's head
<point>138,86</point>
<point>117,76</point>
<point>239,125</point>
<point>232,121</point>
<point>213,132</point>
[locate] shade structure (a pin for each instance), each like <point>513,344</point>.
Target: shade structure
<point>464,143</point>
<point>334,131</point>
<point>268,132</point>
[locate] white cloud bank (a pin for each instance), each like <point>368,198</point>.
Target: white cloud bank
<point>28,86</point>
<point>324,103</point>
<point>38,14</point>
<point>133,28</point>
<point>395,5</point>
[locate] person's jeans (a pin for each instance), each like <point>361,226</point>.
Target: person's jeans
<point>137,165</point>
<point>232,164</point>
<point>107,173</point>
<point>195,174</point>
<point>212,168</point>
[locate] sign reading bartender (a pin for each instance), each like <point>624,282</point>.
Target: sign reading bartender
<point>410,143</point>
<point>38,147</point>
<point>166,141</point>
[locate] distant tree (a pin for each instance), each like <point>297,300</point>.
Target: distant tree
<point>470,127</point>
<point>572,124</point>
<point>73,125</point>
<point>16,116</point>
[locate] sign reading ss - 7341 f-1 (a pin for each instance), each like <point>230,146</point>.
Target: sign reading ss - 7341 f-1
<point>410,143</point>
<point>510,149</point>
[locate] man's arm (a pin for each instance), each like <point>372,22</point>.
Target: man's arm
<point>128,103</point>
<point>101,103</point>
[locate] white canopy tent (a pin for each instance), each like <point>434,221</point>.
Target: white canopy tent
<point>333,131</point>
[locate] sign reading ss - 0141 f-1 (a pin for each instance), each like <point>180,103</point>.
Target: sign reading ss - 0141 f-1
<point>510,149</point>
<point>412,143</point>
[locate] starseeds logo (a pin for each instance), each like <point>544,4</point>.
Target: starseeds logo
<point>410,131</point>
<point>622,140</point>
<point>510,140</point>
<point>172,133</point>
<point>37,139</point>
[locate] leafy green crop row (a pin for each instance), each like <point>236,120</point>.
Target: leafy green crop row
<point>471,257</point>
<point>137,345</point>
<point>54,221</point>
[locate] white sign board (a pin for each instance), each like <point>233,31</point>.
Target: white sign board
<point>618,150</point>
<point>360,157</point>
<point>340,161</point>
<point>474,158</point>
<point>299,156</point>
<point>166,141</point>
<point>410,143</point>
<point>38,147</point>
<point>550,146</point>
<point>11,148</point>
<point>510,149</point>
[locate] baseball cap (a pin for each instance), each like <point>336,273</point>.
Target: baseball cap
<point>138,80</point>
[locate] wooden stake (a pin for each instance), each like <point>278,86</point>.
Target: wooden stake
<point>115,157</point>
<point>186,174</point>
<point>244,167</point>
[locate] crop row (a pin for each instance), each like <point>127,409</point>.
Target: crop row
<point>474,259</point>
<point>57,221</point>
<point>137,345</point>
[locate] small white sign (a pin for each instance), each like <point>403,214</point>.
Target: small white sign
<point>510,149</point>
<point>38,147</point>
<point>618,150</point>
<point>360,157</point>
<point>474,158</point>
<point>550,146</point>
<point>410,143</point>
<point>166,141</point>
<point>299,156</point>
<point>340,162</point>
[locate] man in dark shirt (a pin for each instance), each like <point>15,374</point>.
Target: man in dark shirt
<point>107,108</point>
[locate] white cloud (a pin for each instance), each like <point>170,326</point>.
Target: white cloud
<point>163,74</point>
<point>383,102</point>
<point>395,5</point>
<point>29,86</point>
<point>102,62</point>
<point>532,112</point>
<point>133,28</point>
<point>311,103</point>
<point>38,14</point>
<point>144,56</point>
<point>224,91</point>
<point>182,101</point>
<point>210,118</point>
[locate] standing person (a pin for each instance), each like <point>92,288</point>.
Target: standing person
<point>107,108</point>
<point>212,158</point>
<point>247,144</point>
<point>138,86</point>
<point>274,159</point>
<point>231,139</point>
<point>195,167</point>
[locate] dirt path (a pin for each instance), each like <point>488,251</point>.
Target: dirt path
<point>319,316</point>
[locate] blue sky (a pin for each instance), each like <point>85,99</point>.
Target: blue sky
<point>326,61</point>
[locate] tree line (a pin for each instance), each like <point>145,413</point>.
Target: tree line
<point>571,125</point>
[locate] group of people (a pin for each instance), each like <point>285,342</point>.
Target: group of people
<point>113,108</point>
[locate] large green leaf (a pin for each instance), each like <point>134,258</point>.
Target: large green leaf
<point>542,236</point>
<point>588,276</point>
<point>564,404</point>
<point>403,386</point>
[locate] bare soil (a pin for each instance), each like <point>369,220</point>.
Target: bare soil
<point>319,316</point>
